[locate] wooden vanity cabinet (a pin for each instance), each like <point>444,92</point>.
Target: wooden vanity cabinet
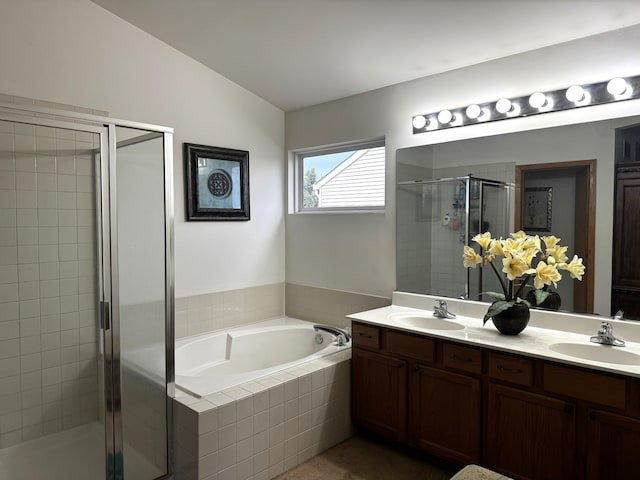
<point>444,413</point>
<point>529,435</point>
<point>441,412</point>
<point>378,393</point>
<point>528,418</point>
<point>612,446</point>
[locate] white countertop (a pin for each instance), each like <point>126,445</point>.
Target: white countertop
<point>544,329</point>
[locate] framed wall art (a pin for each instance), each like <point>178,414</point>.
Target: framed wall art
<point>536,215</point>
<point>217,183</point>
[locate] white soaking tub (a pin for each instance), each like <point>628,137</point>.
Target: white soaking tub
<point>212,362</point>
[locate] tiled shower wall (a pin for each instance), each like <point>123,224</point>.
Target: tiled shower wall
<point>48,317</point>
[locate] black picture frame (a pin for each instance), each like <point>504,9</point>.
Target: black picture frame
<point>217,183</point>
<point>537,209</point>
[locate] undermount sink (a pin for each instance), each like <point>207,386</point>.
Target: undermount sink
<point>597,352</point>
<point>426,321</point>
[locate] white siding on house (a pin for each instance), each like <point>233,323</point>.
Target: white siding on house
<point>357,182</point>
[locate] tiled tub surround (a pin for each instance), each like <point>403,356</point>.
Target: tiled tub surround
<point>48,337</point>
<point>208,363</point>
<point>323,305</point>
<point>259,429</point>
<point>222,310</point>
<point>210,312</point>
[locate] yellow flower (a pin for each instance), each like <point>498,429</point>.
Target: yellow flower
<point>532,243</point>
<point>523,258</point>
<point>529,255</point>
<point>550,241</point>
<point>483,239</point>
<point>512,246</point>
<point>470,258</point>
<point>575,267</point>
<point>514,266</point>
<point>546,275</point>
<point>558,252</point>
<point>496,248</point>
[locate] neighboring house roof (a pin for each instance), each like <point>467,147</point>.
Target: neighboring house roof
<point>356,181</point>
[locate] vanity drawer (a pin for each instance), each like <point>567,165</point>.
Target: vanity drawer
<point>591,387</point>
<point>462,358</point>
<point>511,369</point>
<point>365,335</point>
<point>414,346</point>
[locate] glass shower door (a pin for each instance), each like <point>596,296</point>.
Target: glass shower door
<point>142,304</point>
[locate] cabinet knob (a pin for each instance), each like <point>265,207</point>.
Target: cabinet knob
<point>592,416</point>
<point>568,408</point>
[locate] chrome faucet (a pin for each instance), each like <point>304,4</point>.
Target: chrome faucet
<point>605,336</point>
<point>343,335</point>
<point>440,310</point>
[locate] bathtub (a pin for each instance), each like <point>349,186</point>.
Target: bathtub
<point>212,362</point>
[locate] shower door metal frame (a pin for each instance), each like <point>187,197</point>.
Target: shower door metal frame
<point>108,301</point>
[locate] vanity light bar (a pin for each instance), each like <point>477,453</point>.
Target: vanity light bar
<point>614,90</point>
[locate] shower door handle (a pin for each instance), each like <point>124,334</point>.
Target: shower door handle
<point>106,318</point>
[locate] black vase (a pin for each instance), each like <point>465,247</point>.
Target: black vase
<point>552,302</point>
<point>513,320</point>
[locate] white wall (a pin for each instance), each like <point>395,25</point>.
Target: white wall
<point>358,253</point>
<point>75,52</point>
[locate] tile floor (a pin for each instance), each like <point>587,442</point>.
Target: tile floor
<point>360,458</point>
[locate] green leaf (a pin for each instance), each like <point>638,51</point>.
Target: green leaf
<point>540,295</point>
<point>499,296</point>
<point>496,308</point>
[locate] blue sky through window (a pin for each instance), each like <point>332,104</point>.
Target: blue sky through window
<point>325,163</point>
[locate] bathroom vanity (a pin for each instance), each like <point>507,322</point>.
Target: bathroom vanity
<point>534,406</point>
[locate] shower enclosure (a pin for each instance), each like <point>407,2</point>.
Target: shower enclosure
<point>435,219</point>
<point>86,296</point>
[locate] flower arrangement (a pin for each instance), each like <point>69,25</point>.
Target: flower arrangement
<point>519,253</point>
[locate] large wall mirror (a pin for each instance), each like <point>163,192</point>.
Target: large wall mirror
<point>549,167</point>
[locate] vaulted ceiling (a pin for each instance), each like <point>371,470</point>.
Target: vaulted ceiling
<point>296,53</point>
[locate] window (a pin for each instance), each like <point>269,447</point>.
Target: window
<point>346,178</point>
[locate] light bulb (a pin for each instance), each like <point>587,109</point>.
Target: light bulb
<point>538,100</point>
<point>473,111</point>
<point>617,87</point>
<point>445,116</point>
<point>419,121</point>
<point>503,105</point>
<point>575,94</point>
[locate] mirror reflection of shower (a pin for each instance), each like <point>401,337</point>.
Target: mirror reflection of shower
<point>435,219</point>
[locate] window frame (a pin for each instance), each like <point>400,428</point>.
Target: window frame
<point>298,177</point>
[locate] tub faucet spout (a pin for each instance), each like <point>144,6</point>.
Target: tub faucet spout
<point>343,335</point>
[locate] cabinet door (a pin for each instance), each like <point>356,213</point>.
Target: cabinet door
<point>444,414</point>
<point>612,446</point>
<point>529,436</point>
<point>626,231</point>
<point>379,393</point>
